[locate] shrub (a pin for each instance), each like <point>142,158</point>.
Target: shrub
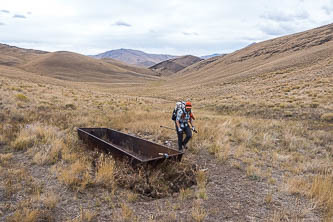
<point>21,97</point>
<point>314,105</point>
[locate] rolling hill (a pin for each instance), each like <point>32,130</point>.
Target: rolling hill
<point>136,69</point>
<point>12,56</point>
<point>134,57</point>
<point>76,67</point>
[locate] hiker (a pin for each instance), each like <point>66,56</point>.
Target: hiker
<point>184,118</point>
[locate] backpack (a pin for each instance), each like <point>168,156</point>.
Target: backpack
<point>175,111</point>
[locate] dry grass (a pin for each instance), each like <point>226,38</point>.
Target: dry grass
<point>5,159</point>
<point>198,213</point>
<point>201,178</point>
<point>327,117</point>
<point>76,175</point>
<point>22,97</point>
<point>85,216</point>
<point>105,171</point>
<point>127,214</point>
<point>132,197</point>
<point>256,130</point>
<point>322,191</point>
<point>185,194</point>
<point>50,200</point>
<point>25,215</point>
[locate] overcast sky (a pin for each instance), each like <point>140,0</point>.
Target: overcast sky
<point>177,27</point>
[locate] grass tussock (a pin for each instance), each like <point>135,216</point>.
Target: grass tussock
<point>127,214</point>
<point>26,139</point>
<point>26,215</point>
<point>327,117</point>
<point>22,97</point>
<point>105,171</point>
<point>322,190</point>
<point>76,175</point>
<point>49,153</point>
<point>5,159</point>
<point>86,215</point>
<point>198,212</point>
<point>50,200</point>
<point>185,194</point>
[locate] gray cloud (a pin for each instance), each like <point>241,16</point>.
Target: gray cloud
<point>19,16</point>
<point>277,29</point>
<point>4,11</point>
<point>2,23</point>
<point>285,17</point>
<point>121,23</point>
<point>328,9</point>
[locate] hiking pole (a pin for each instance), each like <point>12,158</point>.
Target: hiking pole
<point>167,127</point>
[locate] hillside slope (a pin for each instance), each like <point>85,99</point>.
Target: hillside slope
<point>288,51</point>
<point>172,66</point>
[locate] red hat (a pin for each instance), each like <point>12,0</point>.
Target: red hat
<point>188,104</point>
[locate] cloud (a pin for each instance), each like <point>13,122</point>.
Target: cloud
<point>19,16</point>
<point>190,33</point>
<point>121,23</point>
<point>276,29</point>
<point>286,17</point>
<point>328,9</point>
<point>4,11</point>
<point>2,23</point>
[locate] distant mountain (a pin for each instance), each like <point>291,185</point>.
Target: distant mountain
<point>134,57</point>
<point>171,66</point>
<point>211,56</point>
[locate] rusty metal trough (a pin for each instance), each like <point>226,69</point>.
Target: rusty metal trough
<point>121,145</point>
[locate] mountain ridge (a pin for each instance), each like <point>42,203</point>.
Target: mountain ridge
<point>134,57</point>
<point>175,65</point>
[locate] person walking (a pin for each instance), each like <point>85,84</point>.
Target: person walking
<point>184,119</point>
